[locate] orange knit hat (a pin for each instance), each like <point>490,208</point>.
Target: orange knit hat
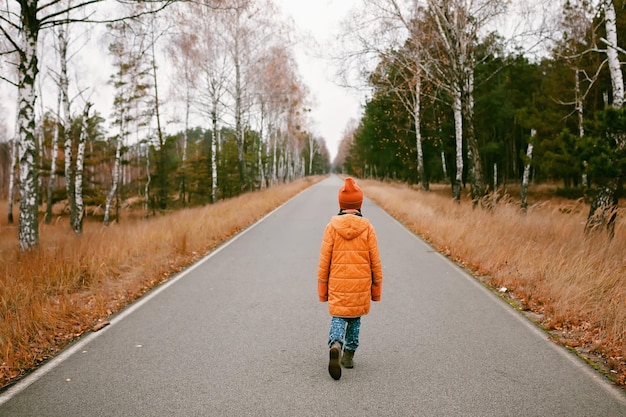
<point>350,195</point>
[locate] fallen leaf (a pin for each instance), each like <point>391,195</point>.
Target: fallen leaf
<point>100,326</point>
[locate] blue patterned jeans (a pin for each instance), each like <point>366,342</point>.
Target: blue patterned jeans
<point>345,331</point>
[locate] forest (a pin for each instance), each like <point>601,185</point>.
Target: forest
<point>450,99</point>
<point>457,103</point>
<point>239,106</point>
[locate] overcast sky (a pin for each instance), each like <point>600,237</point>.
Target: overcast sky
<point>334,106</point>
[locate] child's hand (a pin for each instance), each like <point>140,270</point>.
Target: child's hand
<point>322,290</point>
<point>376,291</point>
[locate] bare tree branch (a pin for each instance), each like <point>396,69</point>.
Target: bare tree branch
<point>10,39</point>
<point>13,83</point>
<point>610,45</point>
<point>51,19</point>
<point>45,6</point>
<point>8,21</point>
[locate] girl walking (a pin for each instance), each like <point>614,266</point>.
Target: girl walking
<point>349,275</point>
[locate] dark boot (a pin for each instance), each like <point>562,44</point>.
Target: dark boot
<point>346,359</point>
<point>334,367</point>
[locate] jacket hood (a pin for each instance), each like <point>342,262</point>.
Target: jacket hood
<point>349,226</point>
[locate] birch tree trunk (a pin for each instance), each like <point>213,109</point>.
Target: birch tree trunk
<point>579,105</point>
<point>214,140</point>
<point>12,169</point>
<point>274,160</point>
<point>67,126</point>
<point>163,186</point>
<point>617,79</point>
<point>261,177</point>
<point>526,176</point>
<point>77,220</point>
<point>458,133</point>
<point>13,144</point>
<point>262,184</point>
<point>53,163</point>
<point>239,116</point>
<point>28,228</point>
<point>288,163</point>
<point>477,183</point>
<point>281,168</point>
<point>183,180</point>
<point>603,211</point>
<point>581,120</point>
<point>146,190</point>
<point>444,168</point>
<point>115,180</point>
<point>418,134</point>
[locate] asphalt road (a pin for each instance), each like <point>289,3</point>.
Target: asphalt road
<point>241,333</point>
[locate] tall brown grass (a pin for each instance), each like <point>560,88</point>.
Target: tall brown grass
<point>70,283</point>
<point>576,282</point>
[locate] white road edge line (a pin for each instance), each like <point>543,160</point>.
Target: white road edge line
<point>37,374</point>
<point>596,376</point>
<point>72,349</point>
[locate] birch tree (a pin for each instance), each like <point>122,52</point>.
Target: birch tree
<point>13,149</point>
<point>252,29</point>
<point>53,161</point>
<point>277,86</point>
<point>577,27</point>
<point>291,121</point>
<point>5,156</point>
<point>526,176</point>
<point>12,171</point>
<point>612,52</point>
<point>24,43</point>
<point>128,48</point>
<point>390,30</point>
<point>237,27</point>
<point>154,30</point>
<point>205,50</point>
<point>71,172</point>
<point>21,27</point>
<point>182,53</point>
<point>457,26</point>
<point>603,210</point>
<point>410,60</point>
<point>77,220</point>
<point>5,163</point>
<point>575,50</point>
<point>200,56</point>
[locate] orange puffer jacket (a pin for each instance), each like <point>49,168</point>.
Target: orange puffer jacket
<point>349,272</point>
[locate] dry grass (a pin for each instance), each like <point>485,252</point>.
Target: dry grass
<point>71,283</point>
<point>577,284</point>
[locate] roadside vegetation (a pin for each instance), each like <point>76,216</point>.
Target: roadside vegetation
<point>571,283</point>
<point>71,284</point>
